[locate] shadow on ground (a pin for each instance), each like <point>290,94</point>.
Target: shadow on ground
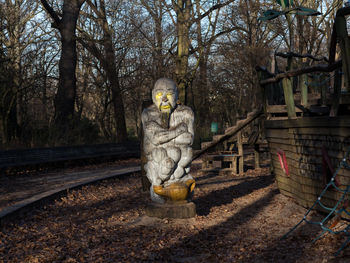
<point>226,195</point>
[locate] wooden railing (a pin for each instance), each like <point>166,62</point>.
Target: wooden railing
<point>17,158</point>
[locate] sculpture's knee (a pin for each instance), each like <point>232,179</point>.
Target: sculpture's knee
<point>166,167</point>
<point>174,153</point>
<point>159,154</point>
<point>186,156</point>
<point>151,173</point>
<point>179,172</point>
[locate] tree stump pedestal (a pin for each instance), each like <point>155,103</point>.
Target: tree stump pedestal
<point>171,210</point>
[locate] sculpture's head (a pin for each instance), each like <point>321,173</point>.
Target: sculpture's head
<point>165,94</point>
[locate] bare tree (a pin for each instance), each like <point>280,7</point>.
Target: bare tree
<point>107,57</point>
<point>65,21</point>
<point>16,38</point>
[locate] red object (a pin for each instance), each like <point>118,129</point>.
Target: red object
<point>283,161</point>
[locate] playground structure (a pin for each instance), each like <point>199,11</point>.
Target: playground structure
<point>308,133</point>
<point>308,136</point>
<point>310,155</point>
<point>306,126</point>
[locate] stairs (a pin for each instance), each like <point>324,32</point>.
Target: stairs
<point>234,135</point>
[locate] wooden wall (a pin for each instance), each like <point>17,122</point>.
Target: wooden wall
<point>302,141</point>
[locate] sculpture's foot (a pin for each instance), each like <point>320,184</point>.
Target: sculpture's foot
<point>180,209</point>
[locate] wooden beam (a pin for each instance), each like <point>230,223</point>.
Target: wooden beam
<point>294,73</point>
<point>279,109</point>
<point>296,55</point>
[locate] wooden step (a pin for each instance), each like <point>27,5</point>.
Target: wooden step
<point>279,109</point>
<point>219,171</point>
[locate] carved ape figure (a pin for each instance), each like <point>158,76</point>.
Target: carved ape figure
<point>168,136</point>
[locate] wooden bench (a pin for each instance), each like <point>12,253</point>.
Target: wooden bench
<point>232,160</point>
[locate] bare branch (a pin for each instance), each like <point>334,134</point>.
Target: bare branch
<point>213,8</point>
<point>94,8</point>
<point>52,13</point>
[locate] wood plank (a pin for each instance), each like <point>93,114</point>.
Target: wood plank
<point>280,109</point>
<point>319,144</point>
<point>311,176</point>
<point>341,121</point>
<point>277,133</point>
<point>301,164</point>
<point>329,198</point>
<point>340,131</point>
<point>298,194</point>
<point>302,188</point>
<point>303,150</point>
<point>338,139</point>
<point>285,141</point>
<point>220,157</point>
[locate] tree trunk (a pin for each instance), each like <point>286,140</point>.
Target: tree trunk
<point>65,97</point>
<point>158,56</point>
<point>183,12</point>
<point>112,74</point>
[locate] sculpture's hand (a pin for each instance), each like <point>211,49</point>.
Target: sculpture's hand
<point>185,138</point>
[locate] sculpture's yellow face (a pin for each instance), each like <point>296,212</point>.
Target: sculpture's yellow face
<point>165,100</point>
<point>164,95</point>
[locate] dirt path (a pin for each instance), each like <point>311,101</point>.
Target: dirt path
<point>239,219</point>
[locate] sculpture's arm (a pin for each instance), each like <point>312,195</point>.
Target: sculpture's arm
<point>157,134</point>
<point>190,125</point>
<point>187,137</point>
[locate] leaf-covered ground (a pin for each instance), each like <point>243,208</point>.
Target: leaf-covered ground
<point>239,219</point>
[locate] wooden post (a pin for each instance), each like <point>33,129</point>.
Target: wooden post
<point>342,35</point>
<point>336,95</point>
<point>324,86</point>
<point>289,97</point>
<point>257,156</point>
<point>240,152</point>
<point>234,165</point>
<point>304,90</point>
<point>263,92</point>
